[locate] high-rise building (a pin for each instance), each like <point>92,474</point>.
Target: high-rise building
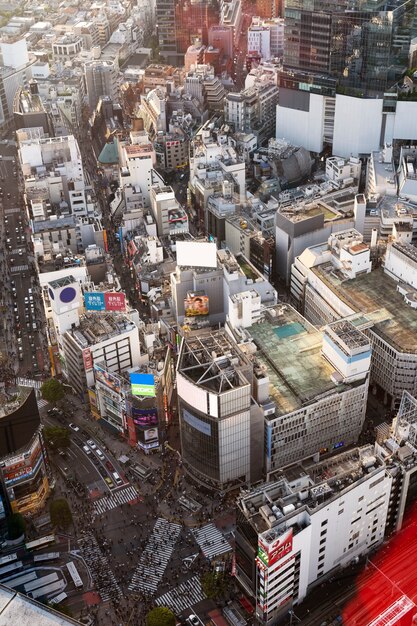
<point>182,23</point>
<point>221,428</point>
<point>340,60</point>
<point>23,458</point>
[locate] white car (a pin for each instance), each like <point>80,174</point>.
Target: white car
<point>91,443</point>
<point>74,427</point>
<point>86,449</point>
<point>193,620</point>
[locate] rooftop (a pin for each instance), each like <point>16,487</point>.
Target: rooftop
<point>289,348</point>
<point>97,327</point>
<point>16,608</point>
<point>376,293</point>
<point>213,361</point>
<point>307,484</point>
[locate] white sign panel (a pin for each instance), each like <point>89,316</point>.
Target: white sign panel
<point>196,254</point>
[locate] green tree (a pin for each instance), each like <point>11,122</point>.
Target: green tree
<point>16,525</point>
<point>57,437</point>
<point>60,512</point>
<point>214,585</point>
<point>160,616</point>
<point>52,390</point>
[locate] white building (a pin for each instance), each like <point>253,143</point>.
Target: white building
<point>14,54</point>
<point>170,217</point>
<point>137,160</point>
<point>299,371</point>
<point>109,338</point>
<point>354,126</point>
<point>343,171</point>
<point>312,520</point>
<point>382,304</point>
<point>52,169</point>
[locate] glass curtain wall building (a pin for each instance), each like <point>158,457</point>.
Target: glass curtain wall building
<point>363,45</point>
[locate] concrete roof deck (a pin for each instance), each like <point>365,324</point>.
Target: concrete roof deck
<point>290,349</point>
<point>373,292</point>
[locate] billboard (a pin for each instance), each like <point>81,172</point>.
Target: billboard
<point>144,417</point>
<point>114,301</point>
<point>94,301</point>
<point>88,359</point>
<point>107,378</point>
<point>151,434</point>
<point>196,254</point>
<point>270,554</point>
<point>142,385</point>
<point>196,304</point>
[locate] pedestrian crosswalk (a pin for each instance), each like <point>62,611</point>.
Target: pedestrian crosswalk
<point>155,557</point>
<point>211,541</point>
<point>117,498</point>
<point>42,404</point>
<point>104,579</point>
<point>19,268</point>
<point>185,596</point>
<point>11,211</point>
<point>28,382</point>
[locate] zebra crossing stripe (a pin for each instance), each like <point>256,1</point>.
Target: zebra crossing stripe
<point>11,211</point>
<point>116,499</point>
<point>211,541</point>
<point>185,596</point>
<point>19,268</point>
<point>42,403</point>
<point>155,557</point>
<point>103,577</point>
<point>26,382</point>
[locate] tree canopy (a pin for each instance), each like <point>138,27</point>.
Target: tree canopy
<point>52,390</point>
<point>57,437</point>
<point>60,512</point>
<point>16,525</point>
<point>160,616</point>
<point>214,585</point>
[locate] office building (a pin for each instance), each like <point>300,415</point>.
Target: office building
<point>221,429</point>
<point>110,338</point>
<point>101,80</point>
<point>183,23</point>
<point>312,386</point>
<point>381,303</point>
<point>24,466</point>
<point>171,219</point>
<point>309,520</point>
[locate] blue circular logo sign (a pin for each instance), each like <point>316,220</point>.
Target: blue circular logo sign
<point>51,294</point>
<point>68,294</point>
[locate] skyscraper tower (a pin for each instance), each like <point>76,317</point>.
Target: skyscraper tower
<point>182,23</point>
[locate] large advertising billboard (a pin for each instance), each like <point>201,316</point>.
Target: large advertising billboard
<point>196,254</point>
<point>142,385</point>
<point>104,301</point>
<point>151,434</point>
<point>107,378</point>
<point>114,301</point>
<point>94,301</point>
<point>273,552</point>
<point>88,359</point>
<point>196,304</point>
<point>144,417</point>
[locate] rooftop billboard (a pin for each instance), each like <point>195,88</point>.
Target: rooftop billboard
<point>196,254</point>
<point>142,385</point>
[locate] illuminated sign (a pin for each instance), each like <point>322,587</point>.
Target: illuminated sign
<point>88,359</point>
<point>142,385</point>
<point>144,417</point>
<point>270,554</point>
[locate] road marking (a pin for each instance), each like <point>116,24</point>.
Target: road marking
<point>19,268</point>
<point>155,557</point>
<point>211,541</point>
<point>117,498</point>
<point>186,595</point>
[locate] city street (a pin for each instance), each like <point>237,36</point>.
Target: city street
<point>24,332</point>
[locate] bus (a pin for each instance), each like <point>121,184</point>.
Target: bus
<point>12,567</point>
<point>8,559</point>
<point>73,572</point>
<point>40,543</point>
<point>58,599</point>
<point>48,556</point>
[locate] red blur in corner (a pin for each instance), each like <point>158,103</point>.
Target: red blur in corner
<point>387,588</point>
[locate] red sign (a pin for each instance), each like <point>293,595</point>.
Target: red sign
<point>114,301</point>
<point>88,359</point>
<point>281,547</point>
